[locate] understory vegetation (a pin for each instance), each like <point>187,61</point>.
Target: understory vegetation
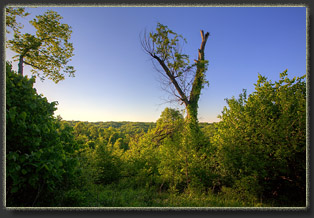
<point>254,157</point>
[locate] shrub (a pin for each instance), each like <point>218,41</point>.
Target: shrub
<point>264,137</point>
<point>37,150</point>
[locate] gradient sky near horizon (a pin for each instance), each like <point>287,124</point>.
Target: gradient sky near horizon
<point>115,79</point>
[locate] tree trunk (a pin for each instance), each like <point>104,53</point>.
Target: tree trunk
<point>198,82</point>
<point>191,109</point>
<point>20,71</point>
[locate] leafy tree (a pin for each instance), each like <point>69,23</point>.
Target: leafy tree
<point>164,46</point>
<point>93,132</point>
<point>38,150</point>
<point>106,164</point>
<point>261,141</point>
<point>69,154</point>
<point>180,161</point>
<point>170,122</point>
<point>118,148</point>
<point>168,132</point>
<point>80,129</point>
<point>48,51</point>
<point>162,158</point>
<point>141,160</point>
<point>184,81</point>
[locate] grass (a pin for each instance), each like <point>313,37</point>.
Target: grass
<point>117,195</point>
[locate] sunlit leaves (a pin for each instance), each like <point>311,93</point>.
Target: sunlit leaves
<point>167,45</point>
<point>49,50</point>
<point>178,75</point>
<point>10,18</point>
<point>168,48</point>
<point>264,135</point>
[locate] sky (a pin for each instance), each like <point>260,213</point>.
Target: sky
<point>115,79</point>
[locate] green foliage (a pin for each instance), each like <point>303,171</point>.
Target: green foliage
<point>255,156</point>
<point>150,158</point>
<point>167,47</point>
<point>264,137</point>
<point>38,149</point>
<point>10,18</point>
<point>166,158</point>
<point>80,129</point>
<point>106,165</point>
<point>48,51</point>
<point>74,198</point>
<point>171,167</point>
<point>142,159</point>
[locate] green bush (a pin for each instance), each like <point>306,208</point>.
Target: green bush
<point>38,152</point>
<point>264,137</point>
<point>105,164</point>
<point>73,198</point>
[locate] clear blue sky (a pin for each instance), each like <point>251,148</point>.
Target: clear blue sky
<point>115,80</point>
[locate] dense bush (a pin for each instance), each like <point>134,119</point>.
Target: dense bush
<point>38,147</point>
<point>261,141</point>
